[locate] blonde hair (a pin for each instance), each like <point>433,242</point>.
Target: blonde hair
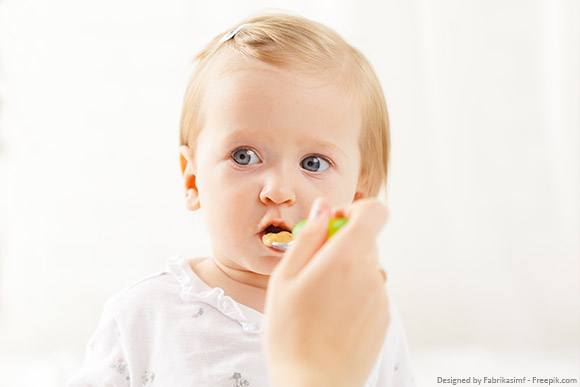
<point>296,43</point>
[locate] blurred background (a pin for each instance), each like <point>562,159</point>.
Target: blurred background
<point>483,243</point>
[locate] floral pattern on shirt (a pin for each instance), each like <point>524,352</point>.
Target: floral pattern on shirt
<point>147,378</point>
<point>198,314</point>
<point>121,367</point>
<point>239,381</point>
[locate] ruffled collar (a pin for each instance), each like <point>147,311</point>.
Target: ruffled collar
<point>194,289</point>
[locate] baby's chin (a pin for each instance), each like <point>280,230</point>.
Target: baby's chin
<point>264,265</point>
<point>261,265</point>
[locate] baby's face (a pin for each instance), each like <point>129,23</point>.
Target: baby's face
<point>272,143</point>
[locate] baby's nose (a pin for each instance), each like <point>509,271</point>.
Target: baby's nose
<point>277,189</point>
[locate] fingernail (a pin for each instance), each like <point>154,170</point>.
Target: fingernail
<point>316,210</point>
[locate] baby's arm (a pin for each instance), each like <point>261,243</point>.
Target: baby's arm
<point>327,308</point>
<point>105,364</point>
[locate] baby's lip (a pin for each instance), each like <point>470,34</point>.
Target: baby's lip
<point>277,223</point>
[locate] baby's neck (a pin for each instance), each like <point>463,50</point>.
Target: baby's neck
<point>246,288</point>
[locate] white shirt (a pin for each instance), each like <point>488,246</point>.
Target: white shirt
<point>173,330</point>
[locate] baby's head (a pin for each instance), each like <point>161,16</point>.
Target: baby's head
<point>296,44</point>
<point>279,111</point>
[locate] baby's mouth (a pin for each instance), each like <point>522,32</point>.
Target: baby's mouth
<point>276,234</point>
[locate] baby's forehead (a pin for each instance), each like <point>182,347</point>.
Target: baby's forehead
<point>265,88</point>
<point>238,79</point>
<point>226,66</point>
<point>261,101</point>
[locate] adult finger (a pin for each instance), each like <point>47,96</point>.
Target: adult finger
<point>354,244</point>
<point>312,236</point>
<point>368,217</point>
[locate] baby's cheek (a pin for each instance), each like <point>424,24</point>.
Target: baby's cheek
<point>227,219</point>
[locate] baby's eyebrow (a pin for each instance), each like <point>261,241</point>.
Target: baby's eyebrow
<point>241,133</point>
<point>318,143</point>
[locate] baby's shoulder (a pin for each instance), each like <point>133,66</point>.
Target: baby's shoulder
<point>145,295</point>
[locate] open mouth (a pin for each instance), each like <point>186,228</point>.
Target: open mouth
<point>271,229</point>
<point>279,233</point>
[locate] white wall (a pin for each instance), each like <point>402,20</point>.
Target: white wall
<point>482,245</point>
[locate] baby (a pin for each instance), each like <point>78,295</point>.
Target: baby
<point>280,111</point>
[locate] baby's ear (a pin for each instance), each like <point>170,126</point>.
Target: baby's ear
<point>363,187</point>
<point>186,160</point>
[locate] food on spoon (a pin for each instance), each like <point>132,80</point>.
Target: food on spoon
<point>279,237</point>
<point>285,237</point>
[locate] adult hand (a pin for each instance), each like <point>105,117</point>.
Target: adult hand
<point>327,307</point>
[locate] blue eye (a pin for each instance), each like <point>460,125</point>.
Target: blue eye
<point>315,164</point>
<point>244,156</point>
